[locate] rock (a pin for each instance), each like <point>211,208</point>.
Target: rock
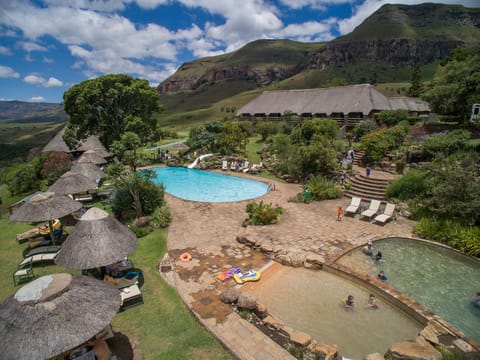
<point>272,322</point>
<point>463,346</point>
<point>429,333</point>
<point>297,259</point>
<point>300,338</point>
<point>230,296</point>
<point>247,301</point>
<point>374,356</point>
<point>314,261</point>
<point>405,213</point>
<point>241,239</point>
<point>261,310</point>
<point>142,221</point>
<point>418,349</point>
<point>326,351</point>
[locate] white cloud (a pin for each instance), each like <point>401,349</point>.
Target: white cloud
<point>97,5</point>
<point>5,50</point>
<point>8,72</point>
<point>314,4</point>
<point>31,46</point>
<point>47,60</point>
<point>40,81</point>
<point>36,99</point>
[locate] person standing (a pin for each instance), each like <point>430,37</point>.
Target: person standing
<point>339,213</point>
<point>368,171</point>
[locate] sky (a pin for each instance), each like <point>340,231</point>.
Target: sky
<point>48,46</point>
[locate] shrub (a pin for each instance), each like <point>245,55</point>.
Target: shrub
<point>263,214</point>
<point>412,184</point>
<point>21,178</point>
<point>55,166</point>
<point>392,117</point>
<point>161,217</point>
<point>322,188</point>
<point>141,231</point>
<point>363,128</point>
<point>446,144</point>
<point>452,233</point>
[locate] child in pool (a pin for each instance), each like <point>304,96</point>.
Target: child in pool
<point>379,256</point>
<point>372,302</point>
<point>350,302</point>
<point>381,276</point>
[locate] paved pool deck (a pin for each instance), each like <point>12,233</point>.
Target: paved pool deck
<point>208,231</point>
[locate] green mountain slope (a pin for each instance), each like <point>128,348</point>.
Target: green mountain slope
<point>29,112</point>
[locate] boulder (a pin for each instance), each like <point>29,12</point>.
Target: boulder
<point>374,356</point>
<point>272,323</point>
<point>297,259</point>
<point>326,351</point>
<point>418,349</point>
<point>142,221</point>
<point>314,261</point>
<point>261,310</point>
<point>247,301</point>
<point>230,296</point>
<point>300,338</point>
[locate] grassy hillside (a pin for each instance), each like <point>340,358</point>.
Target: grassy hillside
<point>27,112</point>
<point>421,22</point>
<point>17,140</point>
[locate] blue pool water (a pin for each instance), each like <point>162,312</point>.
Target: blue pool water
<point>204,186</point>
<point>437,277</point>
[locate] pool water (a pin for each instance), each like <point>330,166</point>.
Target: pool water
<point>204,186</point>
<point>310,301</point>
<point>437,277</point>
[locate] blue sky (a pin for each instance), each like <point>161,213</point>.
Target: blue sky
<point>48,46</point>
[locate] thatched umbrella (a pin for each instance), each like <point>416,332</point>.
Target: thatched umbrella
<point>102,152</point>
<point>89,170</point>
<point>90,156</point>
<point>54,314</point>
<point>97,240</point>
<point>45,206</point>
<point>72,183</point>
<point>180,147</point>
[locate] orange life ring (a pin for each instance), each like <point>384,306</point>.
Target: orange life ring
<point>185,257</point>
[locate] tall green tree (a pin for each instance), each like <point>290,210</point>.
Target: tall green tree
<point>456,84</point>
<point>110,105</point>
<point>416,87</point>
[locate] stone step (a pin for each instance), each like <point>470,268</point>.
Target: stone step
<point>364,196</point>
<point>368,187</point>
<point>371,180</point>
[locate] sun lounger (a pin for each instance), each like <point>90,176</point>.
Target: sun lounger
<point>39,258</point>
<point>224,165</point>
<point>38,231</point>
<point>130,296</point>
<point>372,209</point>
<point>42,250</point>
<point>388,214</point>
<point>83,197</point>
<point>354,205</point>
<point>23,273</point>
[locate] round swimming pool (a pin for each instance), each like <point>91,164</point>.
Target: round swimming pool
<point>205,186</point>
<point>437,277</point>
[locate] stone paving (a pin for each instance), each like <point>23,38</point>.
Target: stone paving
<point>208,231</point>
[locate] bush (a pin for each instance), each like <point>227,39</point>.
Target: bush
<point>412,184</point>
<point>161,217</point>
<point>263,214</point>
<point>322,188</point>
<point>21,178</point>
<point>447,144</point>
<point>363,128</point>
<point>141,232</point>
<point>452,233</point>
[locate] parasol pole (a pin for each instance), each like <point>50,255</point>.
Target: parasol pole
<point>50,227</point>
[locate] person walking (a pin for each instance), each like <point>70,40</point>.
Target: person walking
<point>339,213</point>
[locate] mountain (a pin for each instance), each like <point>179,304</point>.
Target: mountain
<point>384,48</point>
<point>31,112</point>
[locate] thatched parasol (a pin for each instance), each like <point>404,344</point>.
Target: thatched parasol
<point>90,156</point>
<point>180,147</point>
<point>72,183</point>
<point>54,314</point>
<point>45,206</point>
<point>97,240</point>
<point>102,152</point>
<point>89,170</point>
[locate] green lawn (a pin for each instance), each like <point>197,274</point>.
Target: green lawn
<point>161,328</point>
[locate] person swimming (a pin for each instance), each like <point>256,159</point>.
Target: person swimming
<point>475,300</point>
<point>379,256</point>
<point>381,276</point>
<point>372,302</point>
<point>367,249</point>
<point>350,302</point>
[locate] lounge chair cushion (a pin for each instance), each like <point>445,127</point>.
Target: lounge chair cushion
<point>372,210</point>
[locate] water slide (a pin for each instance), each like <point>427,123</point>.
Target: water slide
<point>201,157</point>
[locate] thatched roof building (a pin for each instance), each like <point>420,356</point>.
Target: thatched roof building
<point>58,144</point>
<point>347,104</point>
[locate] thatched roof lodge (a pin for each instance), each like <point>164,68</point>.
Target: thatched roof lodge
<point>347,104</point>
<point>58,144</point>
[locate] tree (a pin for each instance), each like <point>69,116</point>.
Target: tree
<point>110,105</point>
<point>126,149</point>
<point>456,84</point>
<point>416,85</point>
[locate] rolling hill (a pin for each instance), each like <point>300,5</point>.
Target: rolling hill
<point>30,112</point>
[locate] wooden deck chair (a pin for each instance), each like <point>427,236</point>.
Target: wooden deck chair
<point>372,209</point>
<point>388,214</point>
<point>24,273</point>
<point>39,258</point>
<point>354,205</point>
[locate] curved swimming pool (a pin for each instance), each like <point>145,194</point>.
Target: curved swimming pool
<point>435,276</point>
<point>205,186</point>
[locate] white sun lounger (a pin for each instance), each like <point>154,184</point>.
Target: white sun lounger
<point>388,214</point>
<point>372,209</point>
<point>224,165</point>
<point>354,205</point>
<point>44,257</point>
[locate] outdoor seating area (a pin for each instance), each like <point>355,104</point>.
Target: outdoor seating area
<point>371,212</point>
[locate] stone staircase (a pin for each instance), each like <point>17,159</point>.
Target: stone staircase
<point>358,159</point>
<point>367,187</point>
